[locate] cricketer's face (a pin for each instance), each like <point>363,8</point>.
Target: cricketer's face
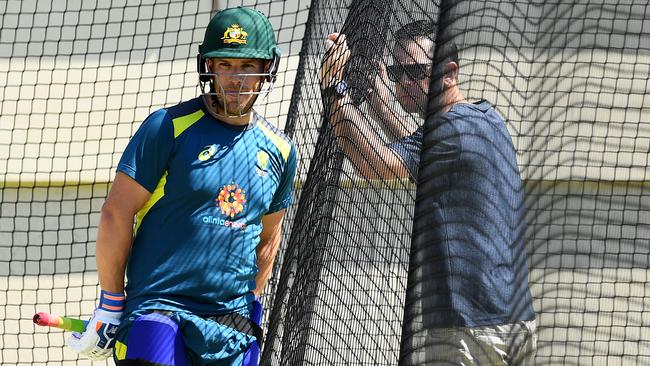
<point>237,83</point>
<point>411,72</point>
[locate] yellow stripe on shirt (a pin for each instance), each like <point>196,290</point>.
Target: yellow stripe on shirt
<point>183,123</point>
<point>157,194</point>
<point>283,145</point>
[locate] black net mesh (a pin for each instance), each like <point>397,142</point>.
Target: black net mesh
<point>77,78</point>
<point>570,79</point>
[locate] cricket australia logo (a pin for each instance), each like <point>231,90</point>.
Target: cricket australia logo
<point>234,34</point>
<point>262,163</point>
<point>231,199</point>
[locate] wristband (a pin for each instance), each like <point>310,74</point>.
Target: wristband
<point>111,302</point>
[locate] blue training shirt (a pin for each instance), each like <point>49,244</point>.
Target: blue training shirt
<point>474,217</point>
<point>194,247</point>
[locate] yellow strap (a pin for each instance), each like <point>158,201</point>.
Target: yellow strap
<point>120,350</point>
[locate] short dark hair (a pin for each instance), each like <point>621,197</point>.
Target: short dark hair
<point>429,29</point>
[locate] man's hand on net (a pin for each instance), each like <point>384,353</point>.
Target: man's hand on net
<point>379,93</point>
<point>336,57</point>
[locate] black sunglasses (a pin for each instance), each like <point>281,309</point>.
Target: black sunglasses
<point>413,71</point>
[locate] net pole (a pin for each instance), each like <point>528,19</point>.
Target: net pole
<point>291,255</point>
<point>366,30</point>
<point>302,268</point>
<point>418,297</point>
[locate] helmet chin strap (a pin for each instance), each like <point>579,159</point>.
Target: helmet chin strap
<point>220,106</point>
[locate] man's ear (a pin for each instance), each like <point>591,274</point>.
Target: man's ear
<point>451,73</point>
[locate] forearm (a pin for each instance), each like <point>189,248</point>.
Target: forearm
<point>392,124</point>
<point>265,258</point>
<point>362,146</point>
<point>267,249</point>
<point>114,238</point>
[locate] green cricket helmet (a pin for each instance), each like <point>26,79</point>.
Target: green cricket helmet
<point>239,33</point>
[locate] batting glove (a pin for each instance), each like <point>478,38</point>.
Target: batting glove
<point>97,342</point>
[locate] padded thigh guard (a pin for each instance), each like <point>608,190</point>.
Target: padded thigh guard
<point>155,340</point>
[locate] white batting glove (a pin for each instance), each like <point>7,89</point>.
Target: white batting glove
<point>97,341</point>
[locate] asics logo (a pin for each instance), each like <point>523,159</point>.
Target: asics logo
<point>207,152</point>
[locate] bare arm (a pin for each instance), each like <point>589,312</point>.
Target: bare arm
<point>394,126</point>
<point>362,146</point>
<point>392,123</point>
<point>267,249</point>
<point>115,233</point>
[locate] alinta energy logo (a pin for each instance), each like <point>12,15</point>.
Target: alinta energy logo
<point>231,200</point>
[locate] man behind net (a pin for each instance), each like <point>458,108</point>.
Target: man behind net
<point>478,308</point>
<point>208,181</point>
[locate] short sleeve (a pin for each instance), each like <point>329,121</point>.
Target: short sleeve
<point>147,155</point>
<point>282,197</point>
<point>408,148</point>
<point>440,159</point>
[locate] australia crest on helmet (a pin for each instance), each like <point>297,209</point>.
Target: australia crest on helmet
<point>234,34</point>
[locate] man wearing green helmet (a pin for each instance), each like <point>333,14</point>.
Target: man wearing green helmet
<point>237,61</point>
<point>208,182</point>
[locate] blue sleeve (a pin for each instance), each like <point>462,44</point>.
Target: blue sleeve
<point>146,157</point>
<point>408,148</point>
<point>282,197</point>
<point>440,158</point>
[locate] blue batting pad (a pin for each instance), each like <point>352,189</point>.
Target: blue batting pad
<point>156,338</point>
